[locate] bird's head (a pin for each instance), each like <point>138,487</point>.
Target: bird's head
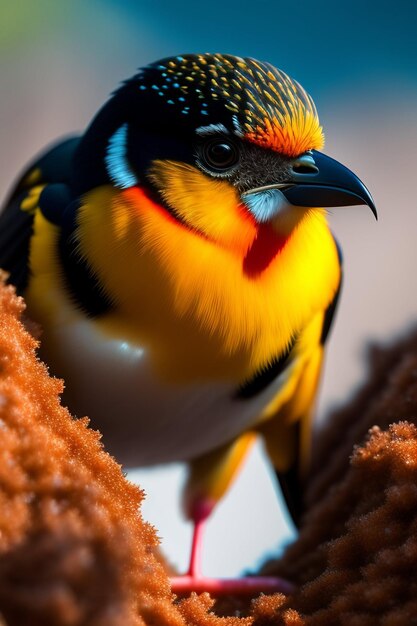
<point>226,145</point>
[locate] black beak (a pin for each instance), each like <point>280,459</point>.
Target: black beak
<point>319,181</point>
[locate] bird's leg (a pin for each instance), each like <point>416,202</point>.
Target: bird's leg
<point>195,581</point>
<point>199,523</point>
<point>199,507</point>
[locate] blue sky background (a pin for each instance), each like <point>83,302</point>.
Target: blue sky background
<point>327,45</point>
<point>60,59</point>
<point>324,43</point>
<point>353,52</point>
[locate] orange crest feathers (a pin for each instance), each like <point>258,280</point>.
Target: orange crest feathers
<point>295,134</point>
<point>255,99</point>
<point>279,113</point>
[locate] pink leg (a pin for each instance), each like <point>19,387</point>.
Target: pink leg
<point>194,568</point>
<point>195,581</point>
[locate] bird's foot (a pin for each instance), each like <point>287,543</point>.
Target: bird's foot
<point>195,581</point>
<point>248,586</point>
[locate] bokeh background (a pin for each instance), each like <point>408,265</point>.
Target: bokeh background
<point>60,59</point>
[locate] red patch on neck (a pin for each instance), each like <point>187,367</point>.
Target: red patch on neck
<point>267,244</point>
<point>142,200</point>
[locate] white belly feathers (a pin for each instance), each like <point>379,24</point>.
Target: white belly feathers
<point>144,421</point>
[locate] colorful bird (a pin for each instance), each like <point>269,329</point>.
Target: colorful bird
<point>178,259</point>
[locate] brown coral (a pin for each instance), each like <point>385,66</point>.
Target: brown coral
<point>355,558</point>
<point>74,550</point>
<point>357,555</point>
<point>73,547</point>
<point>389,395</point>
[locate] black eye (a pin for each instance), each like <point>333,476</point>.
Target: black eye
<point>220,154</point>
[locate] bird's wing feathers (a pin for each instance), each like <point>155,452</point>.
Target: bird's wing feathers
<point>16,218</point>
<point>15,233</point>
<point>287,435</point>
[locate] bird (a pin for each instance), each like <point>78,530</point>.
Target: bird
<point>178,259</point>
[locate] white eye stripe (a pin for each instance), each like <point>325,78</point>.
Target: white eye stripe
<point>212,129</point>
<point>116,161</point>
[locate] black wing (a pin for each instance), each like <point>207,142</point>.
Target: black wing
<point>16,223</point>
<point>292,481</point>
<point>292,485</point>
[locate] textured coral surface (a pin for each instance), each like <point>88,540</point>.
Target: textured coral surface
<point>356,556</point>
<point>73,547</point>
<point>388,395</point>
<point>75,551</point>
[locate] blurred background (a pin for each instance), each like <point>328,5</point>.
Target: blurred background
<point>59,61</point>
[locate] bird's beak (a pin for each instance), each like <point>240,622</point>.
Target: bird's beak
<point>315,180</point>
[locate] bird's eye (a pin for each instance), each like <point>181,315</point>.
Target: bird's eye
<point>220,155</point>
